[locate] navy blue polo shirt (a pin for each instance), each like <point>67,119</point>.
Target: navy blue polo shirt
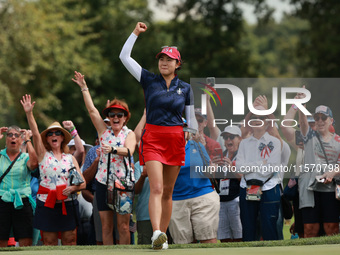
<point>165,106</point>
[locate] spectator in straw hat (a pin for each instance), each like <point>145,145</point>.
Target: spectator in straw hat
<point>56,211</point>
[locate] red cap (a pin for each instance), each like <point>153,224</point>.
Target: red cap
<point>115,106</point>
<point>172,52</point>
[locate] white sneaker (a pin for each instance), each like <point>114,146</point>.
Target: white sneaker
<point>158,239</point>
<point>165,246</point>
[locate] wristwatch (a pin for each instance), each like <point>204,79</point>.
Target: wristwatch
<point>113,150</point>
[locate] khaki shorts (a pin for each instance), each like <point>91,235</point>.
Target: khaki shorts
<point>195,218</point>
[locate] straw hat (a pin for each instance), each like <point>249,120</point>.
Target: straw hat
<point>56,125</point>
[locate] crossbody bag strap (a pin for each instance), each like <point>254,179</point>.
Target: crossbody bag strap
<point>324,153</point>
<point>9,168</point>
<point>264,182</point>
<point>323,149</point>
<point>108,168</point>
<point>127,169</point>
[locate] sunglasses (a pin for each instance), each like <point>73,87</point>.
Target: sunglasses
<point>113,114</point>
<point>200,120</point>
<point>175,47</point>
<point>258,117</point>
<point>16,135</point>
<point>57,133</point>
<point>320,116</point>
<point>231,137</point>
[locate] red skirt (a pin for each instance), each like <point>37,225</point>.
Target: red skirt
<point>165,144</point>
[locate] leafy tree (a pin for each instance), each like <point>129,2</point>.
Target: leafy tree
<point>208,34</point>
<point>321,40</point>
<point>42,42</point>
<point>273,46</point>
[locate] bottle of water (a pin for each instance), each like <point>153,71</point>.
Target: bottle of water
<point>125,203</point>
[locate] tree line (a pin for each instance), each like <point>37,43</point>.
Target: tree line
<point>44,41</point>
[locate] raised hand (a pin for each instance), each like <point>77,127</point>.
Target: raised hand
<point>27,104</point>
<point>79,79</point>
<point>3,130</point>
<point>68,124</point>
<point>301,95</point>
<point>140,28</point>
<point>27,134</point>
<point>261,100</point>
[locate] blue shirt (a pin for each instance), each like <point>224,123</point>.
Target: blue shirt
<point>186,186</point>
<point>165,106</point>
<point>16,183</point>
<point>89,159</point>
<point>142,207</point>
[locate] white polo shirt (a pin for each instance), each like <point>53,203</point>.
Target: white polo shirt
<point>251,154</point>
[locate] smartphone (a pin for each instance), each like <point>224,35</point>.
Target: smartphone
<point>298,138</point>
<point>218,152</point>
<point>211,81</point>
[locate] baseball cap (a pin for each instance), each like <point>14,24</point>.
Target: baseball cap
<point>324,110</point>
<point>170,51</point>
<point>86,146</point>
<point>234,130</point>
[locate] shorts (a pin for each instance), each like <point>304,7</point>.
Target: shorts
<point>101,196</point>
<point>195,218</point>
<point>326,209</point>
<point>165,144</point>
<point>20,219</point>
<point>229,226</point>
<point>53,220</point>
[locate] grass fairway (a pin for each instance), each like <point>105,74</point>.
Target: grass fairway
<point>311,246</point>
<point>296,250</point>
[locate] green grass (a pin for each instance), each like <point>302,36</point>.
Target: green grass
<point>327,240</point>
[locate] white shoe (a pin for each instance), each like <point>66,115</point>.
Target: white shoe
<point>158,239</point>
<point>165,246</point>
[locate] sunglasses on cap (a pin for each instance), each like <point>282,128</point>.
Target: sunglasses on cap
<point>163,47</point>
<point>16,135</point>
<point>118,114</point>
<point>57,133</point>
<point>231,137</point>
<point>322,116</point>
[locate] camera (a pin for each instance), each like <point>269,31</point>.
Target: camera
<point>298,138</point>
<point>211,81</point>
<point>75,178</point>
